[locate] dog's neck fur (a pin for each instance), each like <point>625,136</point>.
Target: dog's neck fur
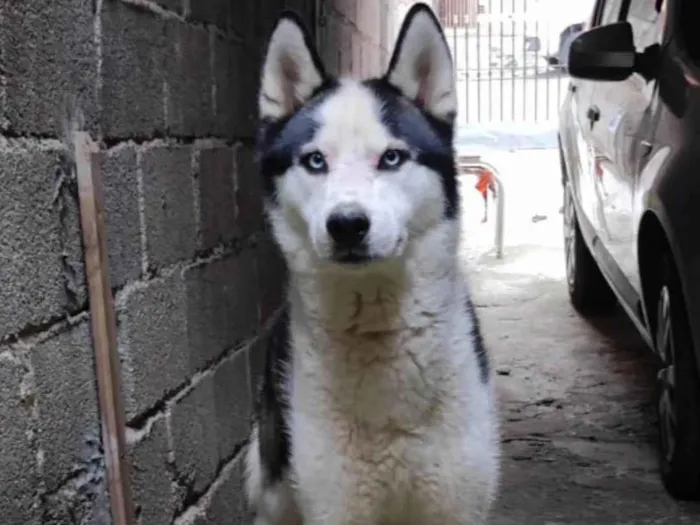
<point>382,339</point>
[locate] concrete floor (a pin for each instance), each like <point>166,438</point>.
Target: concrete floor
<point>579,428</point>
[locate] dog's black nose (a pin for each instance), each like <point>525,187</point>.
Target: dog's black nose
<point>348,228</point>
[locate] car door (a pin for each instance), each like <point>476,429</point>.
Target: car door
<point>585,139</point>
<point>622,107</point>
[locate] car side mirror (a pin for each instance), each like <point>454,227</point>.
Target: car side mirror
<point>603,53</point>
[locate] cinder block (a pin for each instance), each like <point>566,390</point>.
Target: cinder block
<point>256,361</point>
<point>190,110</point>
<point>66,390</point>
<point>357,48</point>
<point>217,204</point>
<point>18,475</point>
<point>228,504</point>
<point>210,423</point>
<point>243,21</point>
<point>330,48</point>
<point>368,56</point>
<point>49,63</point>
<point>40,251</point>
<point>82,498</point>
<point>134,56</point>
<point>375,23</point>
<point>153,343</point>
<point>151,478</point>
<point>67,206</point>
<point>232,403</point>
<point>271,274</point>
<point>345,48</point>
<point>266,14</point>
<point>73,504</point>
<point>172,5</point>
<point>121,194</point>
<point>343,8</point>
<point>169,204</point>
<point>247,113</point>
<point>249,201</point>
<point>301,8</point>
<point>236,75</point>
<point>215,12</point>
<point>195,442</point>
<point>221,306</point>
<point>230,78</point>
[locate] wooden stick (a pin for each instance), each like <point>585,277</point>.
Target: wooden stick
<point>104,331</point>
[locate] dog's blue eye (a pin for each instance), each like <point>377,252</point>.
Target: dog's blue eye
<point>314,162</point>
<point>392,159</point>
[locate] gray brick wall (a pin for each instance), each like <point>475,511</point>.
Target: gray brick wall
<point>168,90</point>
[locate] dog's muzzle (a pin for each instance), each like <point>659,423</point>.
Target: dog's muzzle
<point>348,227</point>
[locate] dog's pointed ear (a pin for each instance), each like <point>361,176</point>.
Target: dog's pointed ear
<point>421,64</point>
<point>292,70</point>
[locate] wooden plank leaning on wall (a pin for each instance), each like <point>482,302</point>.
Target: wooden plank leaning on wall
<point>104,334</point>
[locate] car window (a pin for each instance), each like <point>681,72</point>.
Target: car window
<point>610,12</point>
<point>645,21</point>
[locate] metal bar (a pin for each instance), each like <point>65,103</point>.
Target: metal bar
<point>478,70</point>
<point>104,327</point>
<point>537,62</point>
<point>524,60</point>
<point>454,57</point>
<point>475,164</point>
<point>454,47</point>
<point>549,74</point>
<point>490,71</point>
<point>500,214</point>
<point>501,51</point>
<point>467,24</point>
<point>512,62</point>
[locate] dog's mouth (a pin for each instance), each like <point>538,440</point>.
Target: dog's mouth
<point>351,256</point>
<point>361,256</point>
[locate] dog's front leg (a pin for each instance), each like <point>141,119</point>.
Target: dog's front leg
<point>459,494</point>
<point>335,491</point>
<point>324,513</point>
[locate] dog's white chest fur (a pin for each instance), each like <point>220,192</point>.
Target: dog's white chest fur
<point>390,420</point>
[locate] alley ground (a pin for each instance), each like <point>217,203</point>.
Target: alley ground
<point>576,396</point>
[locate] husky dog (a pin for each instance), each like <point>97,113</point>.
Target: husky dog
<point>376,405</point>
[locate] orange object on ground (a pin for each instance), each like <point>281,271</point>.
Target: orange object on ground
<point>485,182</point>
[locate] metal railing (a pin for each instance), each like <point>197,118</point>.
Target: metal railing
<point>474,165</point>
<point>503,63</point>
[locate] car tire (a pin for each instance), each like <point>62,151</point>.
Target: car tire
<point>678,391</point>
<point>589,292</point>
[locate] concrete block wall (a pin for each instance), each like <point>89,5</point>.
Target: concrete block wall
<point>168,89</point>
<point>358,36</point>
<point>354,35</point>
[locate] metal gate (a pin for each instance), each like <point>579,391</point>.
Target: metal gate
<point>502,53</point>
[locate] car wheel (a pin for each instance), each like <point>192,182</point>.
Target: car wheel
<point>678,399</point>
<point>589,291</point>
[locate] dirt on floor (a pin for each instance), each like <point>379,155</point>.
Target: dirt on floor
<point>576,395</point>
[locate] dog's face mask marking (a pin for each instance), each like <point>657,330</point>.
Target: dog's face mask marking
<point>354,171</point>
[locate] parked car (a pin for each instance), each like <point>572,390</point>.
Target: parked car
<point>559,60</point>
<point>629,139</point>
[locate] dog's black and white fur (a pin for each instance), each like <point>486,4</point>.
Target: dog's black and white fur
<point>376,405</point>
